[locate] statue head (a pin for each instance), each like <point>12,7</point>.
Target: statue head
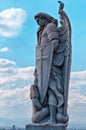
<point>42,19</point>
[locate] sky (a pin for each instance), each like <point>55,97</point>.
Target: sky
<point>17,57</point>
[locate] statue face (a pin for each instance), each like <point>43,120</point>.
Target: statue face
<point>40,21</point>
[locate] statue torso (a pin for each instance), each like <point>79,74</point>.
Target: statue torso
<point>44,37</point>
<point>47,34</point>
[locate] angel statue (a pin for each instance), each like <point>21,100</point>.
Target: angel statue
<point>49,93</point>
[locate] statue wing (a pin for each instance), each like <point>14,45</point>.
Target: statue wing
<point>65,46</point>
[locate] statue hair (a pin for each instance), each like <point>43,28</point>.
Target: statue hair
<point>49,18</point>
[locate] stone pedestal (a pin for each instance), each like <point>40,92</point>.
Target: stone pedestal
<point>46,127</point>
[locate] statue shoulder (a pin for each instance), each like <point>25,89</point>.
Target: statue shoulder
<point>51,27</point>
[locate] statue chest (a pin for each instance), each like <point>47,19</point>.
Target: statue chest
<point>44,37</point>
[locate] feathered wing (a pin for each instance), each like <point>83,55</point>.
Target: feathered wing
<point>65,53</point>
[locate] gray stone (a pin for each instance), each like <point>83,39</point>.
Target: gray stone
<point>45,127</point>
<point>49,93</point>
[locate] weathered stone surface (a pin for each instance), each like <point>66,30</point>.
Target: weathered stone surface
<point>49,92</point>
<point>45,127</point>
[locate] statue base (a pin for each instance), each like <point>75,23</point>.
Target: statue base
<point>46,127</point>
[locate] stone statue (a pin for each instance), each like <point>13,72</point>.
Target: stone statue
<point>49,93</point>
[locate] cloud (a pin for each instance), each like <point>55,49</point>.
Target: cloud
<point>12,97</point>
<point>15,103</point>
<point>77,96</point>
<point>77,89</point>
<point>12,77</point>
<point>4,63</point>
<point>14,89</point>
<point>11,21</point>
<point>4,49</point>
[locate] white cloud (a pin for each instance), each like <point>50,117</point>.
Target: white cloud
<point>77,89</point>
<point>4,49</point>
<point>11,20</point>
<point>14,89</point>
<point>15,96</point>
<point>15,103</point>
<point>77,96</point>
<point>12,77</point>
<point>6,63</point>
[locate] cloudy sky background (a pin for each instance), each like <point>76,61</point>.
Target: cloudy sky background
<point>17,57</point>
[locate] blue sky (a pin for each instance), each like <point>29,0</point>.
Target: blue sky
<point>17,55</point>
